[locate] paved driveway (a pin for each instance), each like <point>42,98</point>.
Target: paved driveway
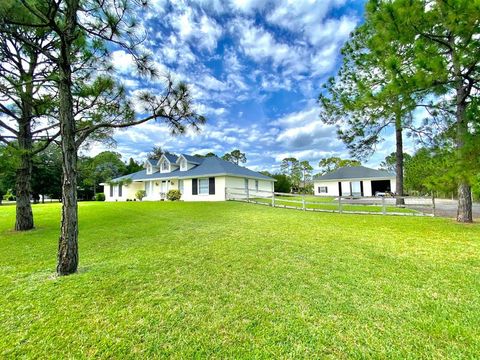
<point>443,207</point>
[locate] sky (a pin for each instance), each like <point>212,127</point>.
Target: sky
<point>255,69</point>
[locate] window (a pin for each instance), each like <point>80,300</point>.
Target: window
<point>165,165</point>
<point>183,165</point>
<point>203,186</point>
<point>180,186</point>
<point>120,188</point>
<point>111,190</point>
<point>246,184</point>
<point>256,185</point>
<point>323,189</point>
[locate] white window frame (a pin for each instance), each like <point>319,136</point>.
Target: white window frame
<point>199,181</point>
<point>183,165</point>
<point>165,165</point>
<point>181,186</point>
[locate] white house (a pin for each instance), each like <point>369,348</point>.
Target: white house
<point>197,178</point>
<point>354,181</point>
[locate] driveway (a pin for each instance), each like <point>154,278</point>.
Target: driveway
<point>443,207</point>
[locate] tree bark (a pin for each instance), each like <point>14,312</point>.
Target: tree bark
<point>24,214</point>
<point>464,209</point>
<point>68,242</point>
<point>399,159</point>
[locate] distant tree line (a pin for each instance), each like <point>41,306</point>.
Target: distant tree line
<point>47,173</point>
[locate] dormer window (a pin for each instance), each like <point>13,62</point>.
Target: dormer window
<point>183,165</point>
<point>165,166</point>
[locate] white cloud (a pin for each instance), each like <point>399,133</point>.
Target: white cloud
<point>200,28</point>
<point>123,62</point>
<point>261,45</point>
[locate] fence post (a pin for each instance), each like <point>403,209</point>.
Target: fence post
<point>273,199</point>
<point>384,209</point>
<point>303,202</point>
<point>248,194</point>
<point>433,204</point>
<point>340,204</point>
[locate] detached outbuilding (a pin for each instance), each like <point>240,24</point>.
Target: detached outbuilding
<point>354,181</point>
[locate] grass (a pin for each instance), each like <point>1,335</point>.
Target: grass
<point>329,203</point>
<point>234,280</point>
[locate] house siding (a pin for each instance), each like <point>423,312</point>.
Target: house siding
<point>128,191</point>
<point>333,186</point>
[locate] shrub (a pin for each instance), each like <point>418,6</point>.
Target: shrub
<point>140,194</point>
<point>9,195</point>
<point>99,197</point>
<point>174,195</point>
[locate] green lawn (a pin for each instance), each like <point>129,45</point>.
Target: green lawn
<point>235,280</point>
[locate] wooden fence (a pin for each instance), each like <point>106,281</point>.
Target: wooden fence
<point>412,206</point>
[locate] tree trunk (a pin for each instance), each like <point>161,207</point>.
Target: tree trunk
<point>464,210</point>
<point>24,214</point>
<point>68,242</point>
<point>399,159</point>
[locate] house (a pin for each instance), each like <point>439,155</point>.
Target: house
<point>197,178</point>
<point>354,181</point>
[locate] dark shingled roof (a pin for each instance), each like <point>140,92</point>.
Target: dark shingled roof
<point>193,159</point>
<point>210,166</point>
<point>355,172</point>
<point>171,157</point>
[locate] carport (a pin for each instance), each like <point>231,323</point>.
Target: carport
<point>381,186</point>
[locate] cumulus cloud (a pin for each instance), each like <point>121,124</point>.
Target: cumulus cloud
<point>191,26</point>
<point>252,66</point>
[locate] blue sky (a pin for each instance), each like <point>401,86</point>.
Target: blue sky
<point>255,68</point>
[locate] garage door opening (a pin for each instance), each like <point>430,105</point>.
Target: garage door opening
<point>380,186</point>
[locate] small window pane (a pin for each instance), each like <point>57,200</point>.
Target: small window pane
<point>203,186</point>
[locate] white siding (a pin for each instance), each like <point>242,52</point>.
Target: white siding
<point>221,182</point>
<point>219,191</point>
<point>237,184</point>
<point>367,188</point>
<point>128,191</point>
<point>333,186</point>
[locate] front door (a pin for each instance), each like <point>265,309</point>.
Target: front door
<point>163,189</point>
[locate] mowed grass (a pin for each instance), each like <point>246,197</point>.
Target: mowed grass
<point>235,280</point>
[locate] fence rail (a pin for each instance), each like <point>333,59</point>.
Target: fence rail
<point>403,206</point>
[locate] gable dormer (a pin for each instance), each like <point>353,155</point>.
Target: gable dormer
<point>167,163</point>
<point>151,166</point>
<point>186,162</point>
<point>164,164</point>
<point>183,163</point>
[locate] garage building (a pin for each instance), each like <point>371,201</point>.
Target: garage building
<point>354,181</point>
